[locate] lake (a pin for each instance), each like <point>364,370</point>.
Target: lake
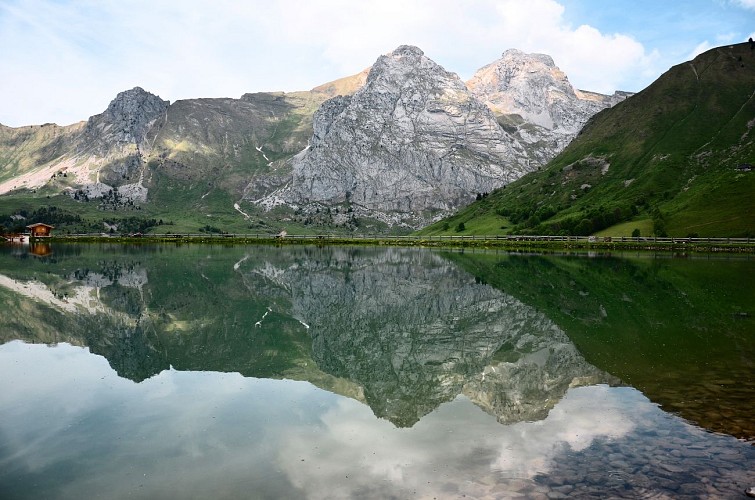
<point>348,372</point>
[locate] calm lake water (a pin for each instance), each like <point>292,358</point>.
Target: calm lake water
<point>263,372</point>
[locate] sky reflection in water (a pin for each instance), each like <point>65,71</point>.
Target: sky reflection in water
<point>72,428</point>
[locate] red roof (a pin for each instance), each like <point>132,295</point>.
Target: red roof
<point>37,224</point>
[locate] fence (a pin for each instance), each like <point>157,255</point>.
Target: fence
<point>417,238</point>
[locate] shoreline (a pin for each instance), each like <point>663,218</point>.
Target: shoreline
<point>536,243</point>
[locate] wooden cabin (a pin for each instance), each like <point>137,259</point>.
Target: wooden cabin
<point>40,230</point>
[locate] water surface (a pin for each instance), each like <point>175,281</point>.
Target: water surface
<point>263,372</point>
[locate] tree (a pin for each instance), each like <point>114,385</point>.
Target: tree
<point>460,227</point>
<point>636,233</point>
<point>659,222</point>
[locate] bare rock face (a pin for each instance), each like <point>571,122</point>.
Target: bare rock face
<point>128,118</point>
<point>535,101</point>
<point>116,141</point>
<point>410,145</point>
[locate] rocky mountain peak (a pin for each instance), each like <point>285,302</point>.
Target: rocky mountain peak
<point>410,142</point>
<point>129,116</point>
<point>409,63</point>
<point>516,55</point>
<point>530,85</point>
<point>529,89</point>
<point>407,50</point>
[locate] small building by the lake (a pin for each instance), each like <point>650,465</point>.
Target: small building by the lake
<point>40,230</point>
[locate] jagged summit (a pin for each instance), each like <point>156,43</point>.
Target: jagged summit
<point>535,101</point>
<point>516,54</point>
<point>412,140</point>
<point>129,116</point>
<point>410,63</point>
<point>407,50</point>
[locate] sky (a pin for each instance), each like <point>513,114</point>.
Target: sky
<point>62,61</point>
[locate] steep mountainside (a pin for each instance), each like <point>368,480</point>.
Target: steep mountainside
<point>24,150</point>
<point>397,145</point>
<point>411,143</point>
<point>674,159</point>
<point>535,102</point>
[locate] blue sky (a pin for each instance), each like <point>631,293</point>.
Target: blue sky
<point>63,60</point>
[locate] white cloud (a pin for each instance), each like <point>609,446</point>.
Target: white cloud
<point>466,37</point>
<point>699,49</point>
<point>392,462</point>
<point>69,59</point>
<point>730,37</point>
<point>746,4</point>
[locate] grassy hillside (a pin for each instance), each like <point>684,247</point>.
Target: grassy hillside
<point>664,161</point>
<point>24,148</point>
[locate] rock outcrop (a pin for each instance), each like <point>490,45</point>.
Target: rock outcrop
<point>535,101</point>
<point>411,144</point>
<point>127,118</point>
<point>115,142</point>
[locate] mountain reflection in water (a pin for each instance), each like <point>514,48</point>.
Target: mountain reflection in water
<point>401,330</point>
<point>425,339</point>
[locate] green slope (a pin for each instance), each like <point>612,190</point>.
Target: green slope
<point>665,159</point>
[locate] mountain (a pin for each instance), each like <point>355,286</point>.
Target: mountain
<point>397,145</point>
<point>535,102</point>
<point>673,159</point>
<point>191,160</point>
<point>412,142</point>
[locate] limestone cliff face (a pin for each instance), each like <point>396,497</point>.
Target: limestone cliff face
<point>115,141</point>
<point>411,143</point>
<point>535,101</point>
<point>127,118</point>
